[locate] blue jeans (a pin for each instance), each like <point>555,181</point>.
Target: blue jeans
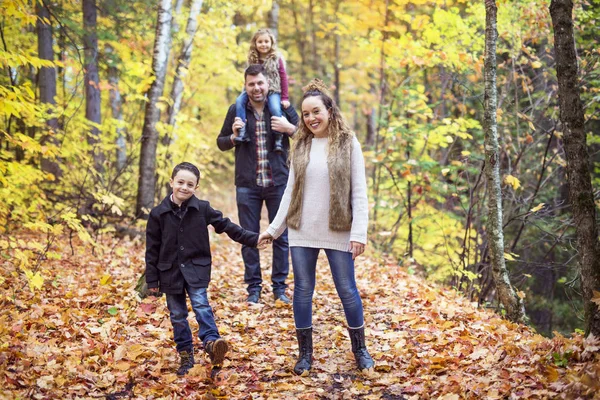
<point>304,262</point>
<point>177,305</point>
<point>249,203</point>
<point>273,101</point>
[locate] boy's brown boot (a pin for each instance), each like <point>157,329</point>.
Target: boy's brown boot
<point>186,359</point>
<point>216,351</point>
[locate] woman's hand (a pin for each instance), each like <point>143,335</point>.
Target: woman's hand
<point>356,249</point>
<point>285,104</point>
<point>154,292</point>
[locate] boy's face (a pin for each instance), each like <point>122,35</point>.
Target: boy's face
<point>184,185</point>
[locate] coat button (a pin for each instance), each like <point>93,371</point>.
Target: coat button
<point>182,265</point>
<point>180,229</point>
<point>181,248</point>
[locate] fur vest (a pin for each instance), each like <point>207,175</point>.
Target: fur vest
<point>271,66</point>
<point>340,183</point>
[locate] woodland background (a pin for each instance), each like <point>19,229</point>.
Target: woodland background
<point>408,76</point>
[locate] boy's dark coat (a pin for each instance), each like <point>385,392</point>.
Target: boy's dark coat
<point>245,153</point>
<point>178,249</point>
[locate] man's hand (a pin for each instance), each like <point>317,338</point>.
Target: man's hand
<point>356,249</point>
<point>285,104</point>
<point>154,292</point>
<point>263,240</point>
<point>237,125</point>
<point>280,124</point>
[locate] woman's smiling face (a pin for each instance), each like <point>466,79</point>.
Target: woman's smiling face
<point>315,116</point>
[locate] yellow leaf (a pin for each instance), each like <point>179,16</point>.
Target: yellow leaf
<point>536,64</point>
<point>35,280</point>
<point>596,298</point>
<point>510,256</point>
<point>511,180</point>
<point>531,125</point>
<point>537,208</point>
<point>445,171</point>
<point>106,279</point>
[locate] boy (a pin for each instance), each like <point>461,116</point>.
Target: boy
<point>178,260</point>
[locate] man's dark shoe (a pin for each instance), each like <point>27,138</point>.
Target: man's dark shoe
<point>253,297</point>
<point>278,146</point>
<point>242,137</point>
<point>216,351</point>
<point>282,297</point>
<point>186,359</point>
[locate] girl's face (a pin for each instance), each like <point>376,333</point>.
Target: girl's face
<point>184,185</point>
<point>315,115</point>
<point>263,44</point>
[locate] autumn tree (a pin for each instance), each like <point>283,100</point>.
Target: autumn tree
<point>149,141</point>
<point>92,79</point>
<point>47,81</point>
<point>581,194</point>
<point>507,296</point>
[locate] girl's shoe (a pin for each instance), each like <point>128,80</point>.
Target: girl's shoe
<point>305,350</point>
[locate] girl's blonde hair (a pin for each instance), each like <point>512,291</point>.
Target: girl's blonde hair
<point>253,55</point>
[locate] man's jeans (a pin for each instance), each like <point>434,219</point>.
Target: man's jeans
<point>249,203</point>
<point>177,305</point>
<point>304,262</point>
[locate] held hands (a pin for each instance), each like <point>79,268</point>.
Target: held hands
<point>285,103</point>
<point>356,249</point>
<point>263,240</point>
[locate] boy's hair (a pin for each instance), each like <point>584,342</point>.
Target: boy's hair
<point>186,166</point>
<point>253,70</point>
<point>253,56</point>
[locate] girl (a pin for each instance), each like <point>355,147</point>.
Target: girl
<point>325,207</point>
<point>263,50</point>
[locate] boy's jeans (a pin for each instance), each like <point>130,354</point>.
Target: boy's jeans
<point>273,101</point>
<point>304,263</point>
<point>177,305</point>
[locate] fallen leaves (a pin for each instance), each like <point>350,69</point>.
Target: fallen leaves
<point>90,336</point>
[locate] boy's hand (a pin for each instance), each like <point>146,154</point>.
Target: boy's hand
<point>263,240</point>
<point>285,103</point>
<point>237,125</point>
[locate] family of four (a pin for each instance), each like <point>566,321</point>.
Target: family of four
<point>317,202</point>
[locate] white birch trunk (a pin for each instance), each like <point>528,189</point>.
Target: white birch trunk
<point>147,171</point>
<point>513,304</point>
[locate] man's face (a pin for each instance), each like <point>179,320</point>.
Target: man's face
<point>257,88</point>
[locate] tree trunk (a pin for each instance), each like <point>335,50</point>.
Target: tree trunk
<point>273,19</point>
<point>513,304</point>
<point>183,64</point>
<point>91,79</point>
<point>336,56</point>
<point>300,41</point>
<point>147,172</point>
<point>47,82</point>
<point>116,104</point>
<point>578,173</point>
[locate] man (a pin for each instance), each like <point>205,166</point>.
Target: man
<point>260,176</point>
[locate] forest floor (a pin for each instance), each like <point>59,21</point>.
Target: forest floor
<point>86,334</point>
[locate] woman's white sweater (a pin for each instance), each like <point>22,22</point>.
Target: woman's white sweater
<point>314,223</point>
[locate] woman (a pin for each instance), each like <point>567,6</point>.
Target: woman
<point>325,207</point>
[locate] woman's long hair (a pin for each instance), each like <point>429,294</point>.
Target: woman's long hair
<point>253,54</point>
